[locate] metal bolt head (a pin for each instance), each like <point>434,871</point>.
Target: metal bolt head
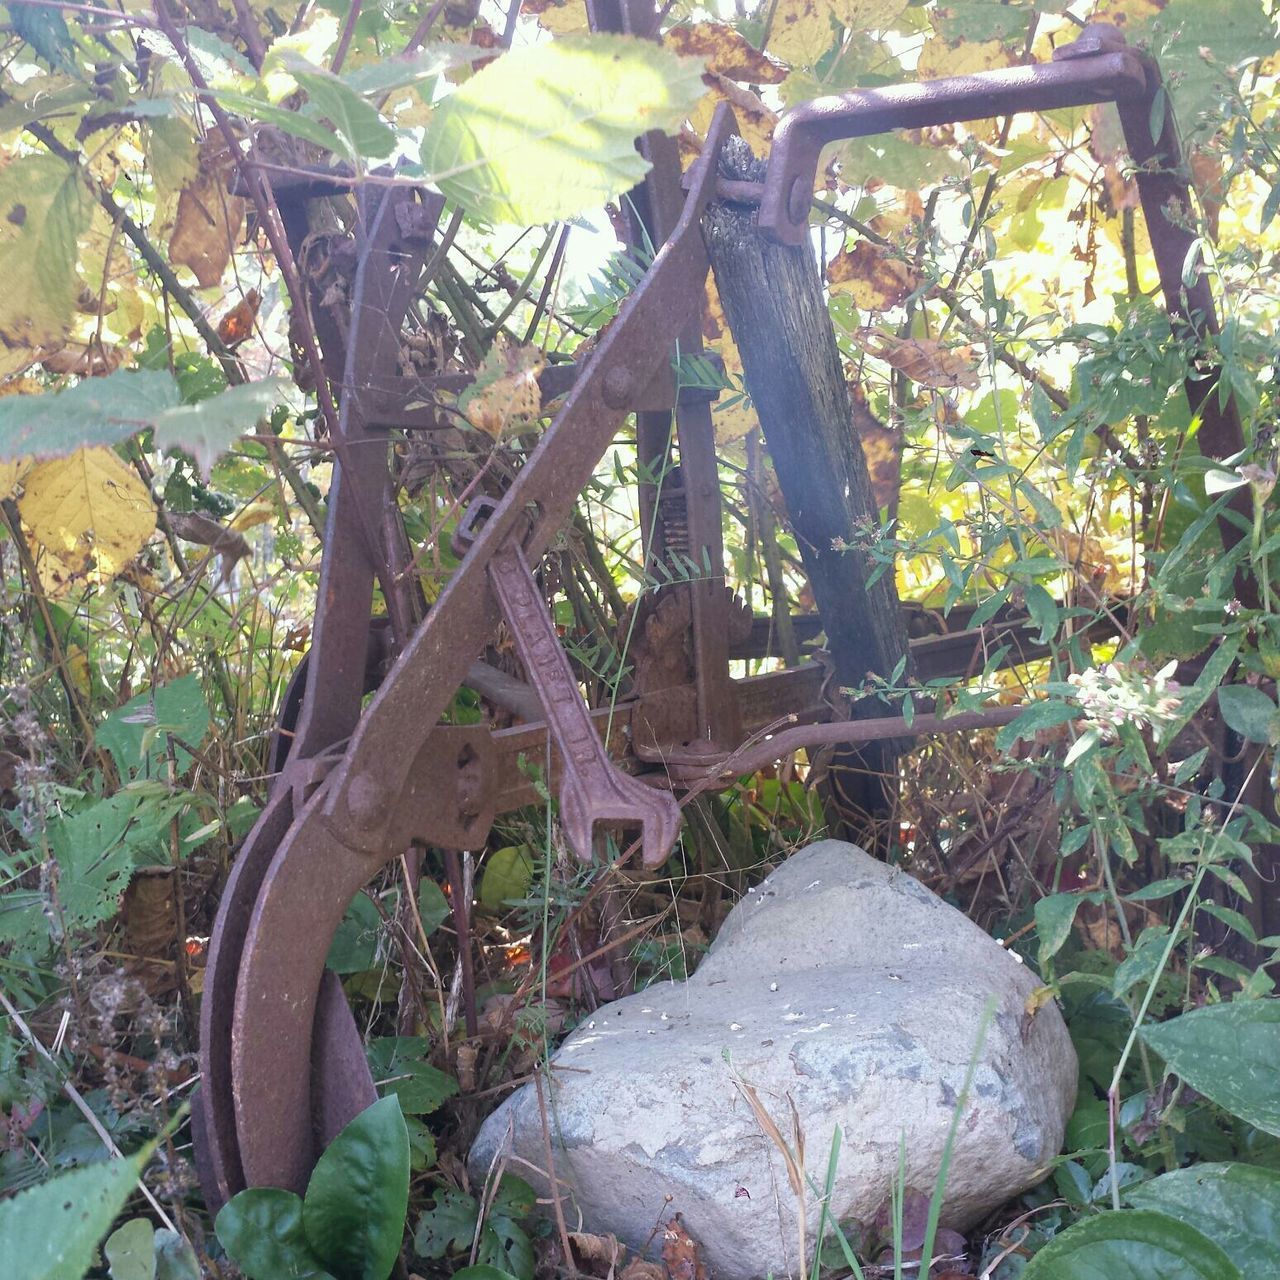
<point>616,388</point>
<point>799,199</point>
<point>367,799</point>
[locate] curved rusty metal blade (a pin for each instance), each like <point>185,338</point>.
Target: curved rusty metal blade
<point>217,1148</point>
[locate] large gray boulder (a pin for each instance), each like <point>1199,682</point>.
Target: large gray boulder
<point>844,987</point>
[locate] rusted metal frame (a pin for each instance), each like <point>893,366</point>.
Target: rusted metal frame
<point>386,271</point>
<point>376,770</point>
<point>656,208</point>
<point>345,831</point>
<point>803,131</point>
<point>343,648</point>
<point>1097,67</point>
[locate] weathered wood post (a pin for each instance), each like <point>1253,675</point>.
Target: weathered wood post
<point>774,300</point>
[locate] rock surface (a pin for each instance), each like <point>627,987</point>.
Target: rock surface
<point>843,985</point>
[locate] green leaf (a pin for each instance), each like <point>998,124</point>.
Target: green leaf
<point>433,906</point>
<point>431,61</point>
<point>175,1258</point>
<point>549,131</point>
<point>1248,711</point>
<point>178,707</point>
<point>1236,1205</point>
<point>44,208</point>
<point>1054,917</point>
<point>1229,1053</point>
<point>357,122</point>
<point>506,877</point>
<point>355,1204</point>
<point>1131,1245</point>
<point>398,1067</point>
<point>261,1229</point>
<point>1142,962</point>
<point>1043,714</point>
<point>355,944</point>
<point>505,1245</point>
<point>482,1271</point>
<point>45,30</point>
<point>291,122</point>
<point>449,1225</point>
<point>208,429</point>
<point>131,1251</point>
<point>97,411</point>
<point>51,1231</point>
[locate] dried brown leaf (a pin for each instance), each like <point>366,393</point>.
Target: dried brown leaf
<point>505,392</point>
<point>872,276</point>
<point>681,1253</point>
<point>923,360</point>
<point>727,53</point>
<point>209,218</point>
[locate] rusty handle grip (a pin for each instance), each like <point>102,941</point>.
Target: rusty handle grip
<point>1096,68</point>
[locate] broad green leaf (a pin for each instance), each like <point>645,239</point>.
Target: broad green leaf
<point>507,875</point>
<point>1229,1053</point>
<point>131,1251</point>
<point>44,208</point>
<point>433,906</point>
<point>1236,1205</point>
<point>1131,1245</point>
<point>355,944</point>
<point>1248,711</point>
<point>95,858</point>
<point>1183,32</point>
<point>399,1067</point>
<point>208,429</point>
<point>175,1258</point>
<point>357,122</point>
<point>355,1204</point>
<point>97,411</point>
<point>1142,961</point>
<point>505,1245</point>
<point>45,30</point>
<point>129,732</point>
<point>1054,917</point>
<point>549,131</point>
<point>449,1225</point>
<point>52,1231</point>
<point>432,60</point>
<point>261,1229</point>
<point>292,122</point>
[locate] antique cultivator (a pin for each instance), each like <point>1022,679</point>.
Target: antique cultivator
<point>282,1060</point>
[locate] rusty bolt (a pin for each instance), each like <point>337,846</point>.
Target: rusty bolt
<point>367,799</point>
<point>798,200</point>
<point>617,387</point>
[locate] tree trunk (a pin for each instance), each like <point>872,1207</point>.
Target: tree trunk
<point>774,301</point>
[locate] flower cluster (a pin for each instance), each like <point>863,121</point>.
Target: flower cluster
<point>1120,693</point>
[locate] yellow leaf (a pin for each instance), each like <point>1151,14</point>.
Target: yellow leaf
<point>255,513</point>
<point>89,512</point>
<point>44,208</point>
<point>726,52</point>
<point>940,58</point>
<point>755,121</point>
<point>506,391</point>
<point>10,474</point>
<point>737,418</point>
<point>562,17</point>
<point>872,276</point>
<point>802,30</point>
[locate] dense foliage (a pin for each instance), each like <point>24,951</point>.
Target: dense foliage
<point>164,472</point>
